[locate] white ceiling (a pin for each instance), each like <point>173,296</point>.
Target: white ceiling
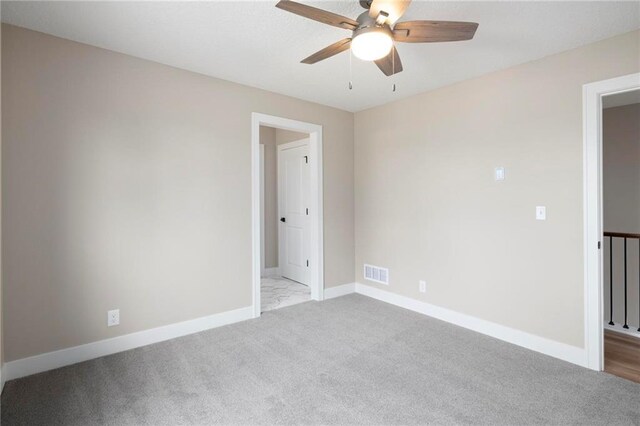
<point>254,43</point>
<point>621,99</point>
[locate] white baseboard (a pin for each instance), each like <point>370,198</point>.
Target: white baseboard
<point>271,272</point>
<point>341,290</point>
<point>526,340</point>
<point>1,378</point>
<point>631,331</point>
<point>49,361</point>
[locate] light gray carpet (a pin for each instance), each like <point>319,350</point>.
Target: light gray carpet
<point>350,360</point>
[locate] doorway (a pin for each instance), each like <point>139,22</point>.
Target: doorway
<point>285,231</point>
<point>600,243</point>
<point>286,212</point>
<point>621,226</point>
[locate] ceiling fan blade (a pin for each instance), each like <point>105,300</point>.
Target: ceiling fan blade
<point>318,14</point>
<point>329,51</point>
<point>433,31</point>
<point>391,63</point>
<point>394,8</point>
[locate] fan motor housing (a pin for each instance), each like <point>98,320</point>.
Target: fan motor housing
<point>368,24</point>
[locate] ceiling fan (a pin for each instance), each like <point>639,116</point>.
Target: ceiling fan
<point>375,31</point>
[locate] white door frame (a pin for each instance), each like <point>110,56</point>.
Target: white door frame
<point>592,94</point>
<point>316,263</point>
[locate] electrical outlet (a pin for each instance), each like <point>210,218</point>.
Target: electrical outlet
<point>423,286</point>
<point>113,317</point>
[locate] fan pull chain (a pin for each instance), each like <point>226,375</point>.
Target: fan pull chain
<point>350,71</point>
<point>393,66</point>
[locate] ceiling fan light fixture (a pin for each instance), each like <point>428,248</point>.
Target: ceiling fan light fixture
<point>376,30</point>
<point>371,44</point>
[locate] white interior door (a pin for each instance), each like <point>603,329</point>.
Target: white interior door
<point>293,210</point>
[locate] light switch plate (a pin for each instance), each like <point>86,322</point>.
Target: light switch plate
<point>499,173</point>
<point>541,213</point>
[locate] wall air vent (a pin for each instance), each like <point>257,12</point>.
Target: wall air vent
<point>376,274</point>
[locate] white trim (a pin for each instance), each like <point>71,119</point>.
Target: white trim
<point>292,144</point>
<point>51,360</point>
<point>341,290</point>
<point>263,250</point>
<point>48,361</point>
<point>633,332</point>
<point>526,340</point>
<point>316,208</point>
<point>271,272</point>
<point>592,94</point>
<point>1,378</point>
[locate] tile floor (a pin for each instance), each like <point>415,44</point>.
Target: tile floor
<point>278,292</point>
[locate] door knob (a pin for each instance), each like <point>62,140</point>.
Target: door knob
<point>282,219</point>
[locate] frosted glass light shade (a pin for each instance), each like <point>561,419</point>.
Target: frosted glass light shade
<point>371,45</point>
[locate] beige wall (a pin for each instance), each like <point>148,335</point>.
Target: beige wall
<point>273,137</point>
<point>268,139</point>
<point>621,168</point>
<point>127,184</point>
<point>427,205</point>
<point>285,136</point>
<point>621,195</point>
